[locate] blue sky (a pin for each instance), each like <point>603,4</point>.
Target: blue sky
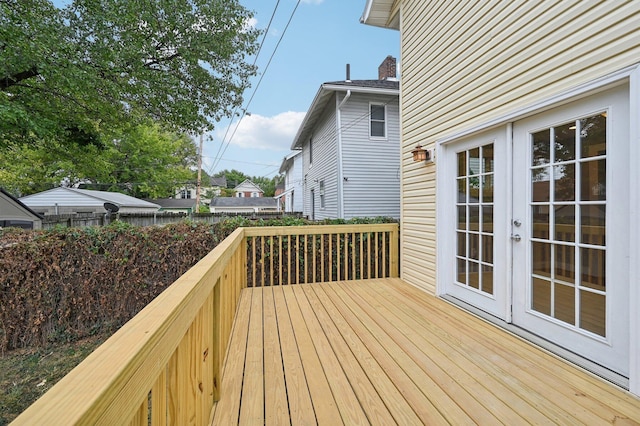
<point>322,38</point>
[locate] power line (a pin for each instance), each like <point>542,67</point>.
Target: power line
<point>256,89</point>
<point>255,60</point>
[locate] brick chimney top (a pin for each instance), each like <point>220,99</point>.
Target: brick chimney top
<point>387,69</point>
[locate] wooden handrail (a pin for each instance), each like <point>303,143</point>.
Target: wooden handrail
<point>174,347</point>
<point>164,365</point>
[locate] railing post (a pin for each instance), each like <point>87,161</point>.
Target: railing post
<point>394,252</point>
<point>218,346</point>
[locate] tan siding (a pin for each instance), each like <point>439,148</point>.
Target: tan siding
<point>466,63</point>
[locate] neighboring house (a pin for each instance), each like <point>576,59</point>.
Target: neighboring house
<point>243,205</point>
<point>350,140</point>
<point>210,188</point>
<point>175,205</point>
<point>63,200</point>
<point>248,189</point>
<point>532,109</point>
<point>291,197</point>
<point>14,213</point>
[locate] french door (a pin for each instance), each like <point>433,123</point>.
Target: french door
<point>477,180</point>
<point>533,225</point>
<point>569,228</point>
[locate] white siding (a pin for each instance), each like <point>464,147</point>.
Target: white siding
<point>324,167</point>
<point>465,63</point>
<point>293,183</point>
<point>371,166</point>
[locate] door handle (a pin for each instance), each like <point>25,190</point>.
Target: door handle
<point>516,237</point>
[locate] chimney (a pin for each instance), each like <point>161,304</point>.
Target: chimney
<point>348,73</point>
<point>387,69</point>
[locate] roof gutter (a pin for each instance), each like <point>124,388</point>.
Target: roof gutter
<point>340,171</point>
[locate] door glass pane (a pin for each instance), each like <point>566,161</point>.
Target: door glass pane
<point>487,279</point>
<point>541,145</point>
<point>592,312</point>
<point>564,303</point>
<point>462,163</point>
<point>565,222</point>
<point>564,263</point>
<point>474,275</point>
<point>487,189</point>
<point>540,216</point>
<point>462,244</point>
<point>541,258</point>
<point>474,218</point>
<point>593,135</point>
<point>541,296</point>
<point>487,219</point>
<point>565,182</point>
<point>487,249</point>
<point>474,246</point>
<point>593,178</point>
<point>592,224</point>
<point>565,142</point>
<point>540,184</point>
<point>592,268</point>
<point>462,271</point>
<point>462,217</point>
<point>487,159</point>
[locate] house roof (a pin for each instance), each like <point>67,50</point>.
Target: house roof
<point>378,87</point>
<point>219,181</point>
<point>381,13</point>
<point>244,202</point>
<point>174,203</point>
<point>17,205</point>
<point>288,160</point>
<point>248,183</point>
<point>73,197</point>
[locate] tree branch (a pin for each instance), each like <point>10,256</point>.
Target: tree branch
<point>14,79</point>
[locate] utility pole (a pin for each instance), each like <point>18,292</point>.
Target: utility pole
<point>199,181</point>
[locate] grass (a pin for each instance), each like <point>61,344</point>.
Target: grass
<point>26,374</point>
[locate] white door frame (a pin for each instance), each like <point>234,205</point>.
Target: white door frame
<point>632,74</point>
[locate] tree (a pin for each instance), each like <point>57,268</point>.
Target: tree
<point>143,161</point>
<point>67,74</point>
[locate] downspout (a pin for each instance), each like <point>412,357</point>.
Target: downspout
<point>340,172</point>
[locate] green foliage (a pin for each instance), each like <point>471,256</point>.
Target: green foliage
<point>63,284</point>
<point>144,161</point>
<point>65,73</point>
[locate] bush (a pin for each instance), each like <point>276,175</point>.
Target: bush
<point>64,284</point>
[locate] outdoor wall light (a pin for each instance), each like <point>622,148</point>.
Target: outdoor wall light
<point>422,155</point>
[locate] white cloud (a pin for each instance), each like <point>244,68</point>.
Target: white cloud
<point>251,23</point>
<point>312,1</point>
<point>265,133</point>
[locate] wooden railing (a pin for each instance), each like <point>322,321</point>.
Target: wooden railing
<point>164,365</point>
<point>310,254</point>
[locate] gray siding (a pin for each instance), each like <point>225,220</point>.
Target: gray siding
<point>371,166</point>
<point>324,167</point>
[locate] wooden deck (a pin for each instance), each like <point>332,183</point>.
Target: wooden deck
<point>383,352</point>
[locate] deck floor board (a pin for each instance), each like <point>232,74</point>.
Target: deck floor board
<point>383,352</point>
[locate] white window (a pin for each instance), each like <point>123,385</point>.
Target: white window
<point>377,127</point>
<point>322,194</point>
<point>310,151</point>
